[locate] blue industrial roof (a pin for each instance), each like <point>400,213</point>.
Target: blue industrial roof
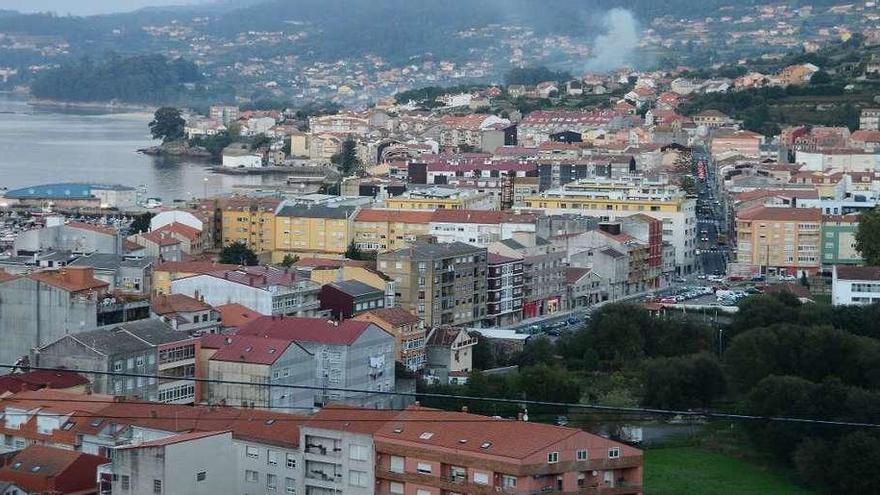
<point>69,190</point>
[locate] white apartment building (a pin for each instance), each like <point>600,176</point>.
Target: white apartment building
<point>855,285</point>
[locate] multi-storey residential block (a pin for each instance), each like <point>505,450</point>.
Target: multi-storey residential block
<point>443,284</point>
<point>40,307</point>
<point>504,290</point>
<point>267,290</point>
<point>855,285</point>
<point>324,271</point>
<point>250,221</point>
<point>477,227</point>
<point>418,456</point>
<point>386,230</point>
<point>543,271</point>
<point>257,359</point>
<point>839,240</point>
<point>407,329</point>
<point>145,347</point>
<point>869,120</point>
<point>76,237</point>
<point>746,143</point>
<point>611,200</point>
<point>313,230</point>
<point>350,355</point>
<point>780,240</point>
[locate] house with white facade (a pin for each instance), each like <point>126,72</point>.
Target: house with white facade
<point>855,285</point>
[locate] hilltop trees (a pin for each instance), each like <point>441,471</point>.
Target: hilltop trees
<point>868,237</point>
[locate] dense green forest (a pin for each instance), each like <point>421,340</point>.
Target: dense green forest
<point>779,358</point>
<point>139,79</point>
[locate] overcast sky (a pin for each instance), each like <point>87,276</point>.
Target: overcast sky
<point>86,7</point>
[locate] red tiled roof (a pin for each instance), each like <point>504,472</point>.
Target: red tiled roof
<point>346,418</point>
<point>306,329</point>
<point>192,266</point>
<point>251,349</point>
<point>401,216</point>
<point>497,259</point>
<point>173,439</point>
<point>471,433</point>
<point>161,238</point>
<point>761,212</point>
<point>444,336</point>
<point>180,229</point>
<point>37,379</point>
<point>481,216</point>
<point>786,193</point>
<point>177,303</point>
<point>257,276</point>
<point>41,469</point>
<point>866,136</point>
<point>236,315</point>
<point>6,276</point>
<point>573,274</point>
<point>71,278</point>
<point>845,272</point>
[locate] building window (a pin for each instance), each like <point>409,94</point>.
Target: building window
<point>251,476</point>
<point>423,492</point>
<point>272,457</point>
<point>508,481</point>
<point>396,464</point>
<point>614,453</point>
<point>552,457</point>
<point>291,461</point>
<point>252,452</point>
<point>423,468</point>
<point>201,475</point>
<point>481,478</point>
<point>271,482</point>
<point>157,486</point>
<point>125,481</point>
<point>396,488</point>
<point>358,452</point>
<point>581,455</point>
<point>289,485</point>
<point>357,478</point>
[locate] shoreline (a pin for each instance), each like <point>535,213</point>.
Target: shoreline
<point>109,107</point>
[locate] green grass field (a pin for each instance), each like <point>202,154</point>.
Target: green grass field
<point>692,470</point>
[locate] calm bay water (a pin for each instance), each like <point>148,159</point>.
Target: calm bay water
<point>41,146</point>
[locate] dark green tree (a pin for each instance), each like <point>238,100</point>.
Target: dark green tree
<point>868,237</point>
<point>141,223</point>
<point>820,77</point>
<point>346,158</point>
<point>683,382</point>
<point>289,260</point>
<point>167,124</point>
<point>353,252</point>
<point>537,350</point>
<point>238,253</point>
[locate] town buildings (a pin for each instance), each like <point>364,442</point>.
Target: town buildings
<point>146,347</point>
<point>855,285</point>
<point>780,240</point>
<point>350,297</point>
<point>408,331</point>
<point>265,289</point>
<point>443,284</point>
<point>450,357</point>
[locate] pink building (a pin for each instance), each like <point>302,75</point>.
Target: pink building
<point>431,452</point>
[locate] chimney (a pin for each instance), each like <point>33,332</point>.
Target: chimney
<point>196,295</point>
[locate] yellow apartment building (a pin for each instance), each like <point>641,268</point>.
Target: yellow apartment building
<point>250,221</point>
<point>779,239</point>
<point>386,229</point>
<point>312,231</point>
<point>437,198</point>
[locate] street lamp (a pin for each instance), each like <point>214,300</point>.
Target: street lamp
<point>205,182</point>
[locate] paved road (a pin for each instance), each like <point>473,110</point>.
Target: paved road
<point>713,257</point>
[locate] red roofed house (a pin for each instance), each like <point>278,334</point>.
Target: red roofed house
<point>349,354</point>
<point>68,381</point>
<point>450,355</point>
<point>46,470</point>
<point>258,359</point>
<point>185,313</point>
<point>855,285</point>
<point>234,315</point>
<point>746,143</point>
<point>407,330</point>
<point>865,140</point>
<point>431,451</point>
<point>189,238</point>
